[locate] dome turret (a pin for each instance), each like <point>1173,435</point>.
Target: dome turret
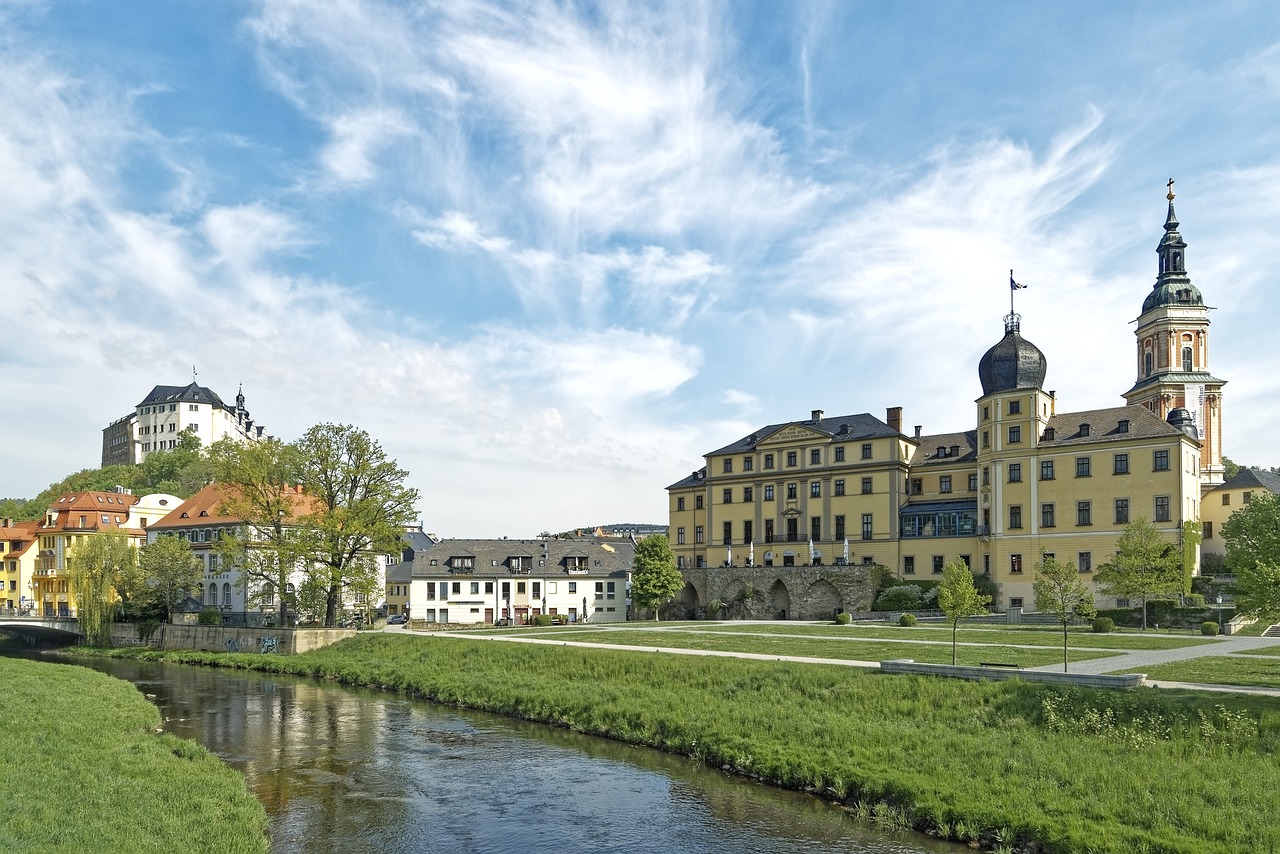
<point>1173,285</point>
<point>1184,421</point>
<point>1014,362</point>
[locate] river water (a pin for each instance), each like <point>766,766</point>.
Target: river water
<point>349,771</point>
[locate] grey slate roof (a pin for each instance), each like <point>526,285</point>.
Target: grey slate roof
<point>938,448</point>
<point>699,476</point>
<point>492,558</point>
<point>183,394</point>
<point>1104,425</point>
<point>1247,478</point>
<point>842,427</point>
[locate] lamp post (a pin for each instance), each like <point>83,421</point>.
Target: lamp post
<point>1220,631</point>
<point>584,609</point>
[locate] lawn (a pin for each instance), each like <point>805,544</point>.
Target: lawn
<point>1221,670</point>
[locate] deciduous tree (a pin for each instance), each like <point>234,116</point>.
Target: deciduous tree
<point>654,577</point>
<point>959,598</point>
<point>97,567</point>
<point>1145,566</point>
<point>1252,535</point>
<point>1059,591</point>
<point>169,570</point>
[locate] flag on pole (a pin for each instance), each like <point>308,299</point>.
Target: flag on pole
<point>1015,286</point>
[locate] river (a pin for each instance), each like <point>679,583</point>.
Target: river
<point>349,771</point>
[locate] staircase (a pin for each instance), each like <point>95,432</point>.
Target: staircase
<point>1273,632</point>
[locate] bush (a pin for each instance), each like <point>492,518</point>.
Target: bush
<point>844,618</point>
<point>903,597</point>
<point>210,617</point>
<point>1193,600</point>
<point>542,620</point>
<point>1209,628</point>
<point>907,620</point>
<point>1103,625</point>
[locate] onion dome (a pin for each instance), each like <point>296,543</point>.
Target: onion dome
<point>1012,363</point>
<point>1173,285</point>
<point>1184,421</point>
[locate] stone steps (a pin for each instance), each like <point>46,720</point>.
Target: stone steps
<point>1272,632</point>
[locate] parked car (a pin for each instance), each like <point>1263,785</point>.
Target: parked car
<point>397,619</point>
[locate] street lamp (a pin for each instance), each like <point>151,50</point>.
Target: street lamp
<point>1220,631</point>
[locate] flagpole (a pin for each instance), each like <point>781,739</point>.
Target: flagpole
<point>1011,290</point>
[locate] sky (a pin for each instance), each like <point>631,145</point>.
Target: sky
<point>551,253</point>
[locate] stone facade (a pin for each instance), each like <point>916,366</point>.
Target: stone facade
<point>773,593</point>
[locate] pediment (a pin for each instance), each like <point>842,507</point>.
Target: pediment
<point>792,433</point>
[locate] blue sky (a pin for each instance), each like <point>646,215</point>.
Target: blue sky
<point>551,253</point>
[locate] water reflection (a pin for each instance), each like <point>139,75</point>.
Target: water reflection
<point>350,771</point>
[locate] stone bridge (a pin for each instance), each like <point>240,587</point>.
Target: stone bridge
<point>772,592</point>
<point>42,629</point>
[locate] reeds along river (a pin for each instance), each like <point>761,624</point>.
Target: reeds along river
<point>347,771</point>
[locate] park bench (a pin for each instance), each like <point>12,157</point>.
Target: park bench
<point>999,664</point>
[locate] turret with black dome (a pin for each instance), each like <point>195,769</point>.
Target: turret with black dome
<point>1013,363</point>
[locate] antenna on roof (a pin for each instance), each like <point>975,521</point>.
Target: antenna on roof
<point>193,373</point>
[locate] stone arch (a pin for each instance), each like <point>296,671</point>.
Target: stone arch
<point>779,600</point>
<point>687,602</point>
<point>824,601</point>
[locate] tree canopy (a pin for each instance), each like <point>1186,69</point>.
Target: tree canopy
<point>1145,566</point>
<point>169,570</point>
<point>958,597</point>
<point>99,567</point>
<point>654,577</point>
<point>1252,535</point>
<point>1059,591</point>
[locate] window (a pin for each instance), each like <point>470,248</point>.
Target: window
<point>746,531</point>
<point>1122,511</point>
<point>1015,515</point>
<point>1084,430</point>
<point>791,459</point>
<point>815,457</point>
<point>1015,564</point>
<point>1015,601</point>
<point>573,587</point>
<point>1186,360</point>
<point>1084,513</point>
<point>680,503</point>
<point>1015,434</point>
<point>792,491</point>
<point>866,486</point>
<point>1226,499</point>
<point>768,535</point>
<point>1084,561</point>
<point>839,452</point>
<point>727,538</point>
<point>815,528</point>
<point>475,588</point>
<point>697,502</point>
<point>1046,516</point>
<point>1015,407</point>
<point>973,483</point>
<point>1083,468</point>
<point>728,496</point>
<point>768,493</point>
<point>728,466</point>
<point>986,439</point>
<point>866,451</point>
<point>1161,461</point>
<point>768,461</point>
<point>1121,465</point>
<point>1046,469</point>
<point>944,483</point>
<point>839,487</point>
<point>680,536</point>
<point>986,413</point>
<point>937,564</point>
<point>697,533</point>
<point>488,587</point>
<point>840,534</point>
<point>815,489</point>
<point>1248,496</point>
<point>1208,531</point>
<point>986,476</point>
<point>1015,472</point>
<point>917,485</point>
<point>909,565</point>
<point>1162,508</point>
<point>748,494</point>
<point>747,463</point>
<point>866,526</point>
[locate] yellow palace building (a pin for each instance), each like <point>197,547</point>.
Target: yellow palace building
<point>1027,478</point>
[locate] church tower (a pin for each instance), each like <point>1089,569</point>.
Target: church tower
<point>1173,352</point>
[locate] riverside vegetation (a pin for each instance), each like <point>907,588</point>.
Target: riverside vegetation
<point>86,770</point>
<point>1008,766</point>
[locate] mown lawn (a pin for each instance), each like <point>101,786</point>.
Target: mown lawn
<point>1075,769</point>
<point>1221,670</point>
<point>86,771</point>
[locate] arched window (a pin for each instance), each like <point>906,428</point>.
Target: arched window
<point>269,594</point>
<point>226,594</point>
<point>213,595</point>
<point>1148,361</point>
<point>1186,359</point>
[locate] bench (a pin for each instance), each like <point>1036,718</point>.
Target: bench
<point>999,664</point>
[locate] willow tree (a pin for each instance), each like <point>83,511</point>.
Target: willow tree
<point>360,509</point>
<point>98,566</point>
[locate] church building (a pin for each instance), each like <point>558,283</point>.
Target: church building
<point>1025,479</point>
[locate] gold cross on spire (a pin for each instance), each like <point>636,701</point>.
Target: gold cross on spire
<point>1170,185</point>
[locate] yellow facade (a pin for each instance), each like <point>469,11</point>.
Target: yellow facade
<point>17,565</point>
<point>1227,498</point>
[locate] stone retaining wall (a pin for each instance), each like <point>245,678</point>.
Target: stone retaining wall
<point>772,592</point>
<point>229,638</point>
<point>906,665</point>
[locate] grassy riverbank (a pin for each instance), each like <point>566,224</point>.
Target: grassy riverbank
<point>85,771</point>
<point>1011,764</point>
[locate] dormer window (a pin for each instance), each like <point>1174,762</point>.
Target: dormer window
<point>1084,430</point>
<point>520,563</point>
<point>1048,434</point>
<point>1123,426</point>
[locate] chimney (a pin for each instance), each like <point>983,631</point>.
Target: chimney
<point>893,417</point>
<point>816,415</point>
<point>918,428</point>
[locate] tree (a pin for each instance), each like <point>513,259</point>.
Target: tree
<point>182,470</point>
<point>1252,535</point>
<point>169,570</point>
<point>96,567</point>
<point>959,598</point>
<point>1146,566</point>
<point>654,577</point>
<point>257,481</point>
<point>1059,591</point>
<point>362,507</point>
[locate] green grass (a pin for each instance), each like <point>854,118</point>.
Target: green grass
<point>1074,769</point>
<point>1220,670</point>
<point>85,771</point>
<point>840,649</point>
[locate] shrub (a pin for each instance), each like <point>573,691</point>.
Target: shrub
<point>907,620</point>
<point>1209,628</point>
<point>902,597</point>
<point>1103,625</point>
<point>844,618</point>
<point>542,620</point>
<point>210,617</point>
<point>1193,600</point>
